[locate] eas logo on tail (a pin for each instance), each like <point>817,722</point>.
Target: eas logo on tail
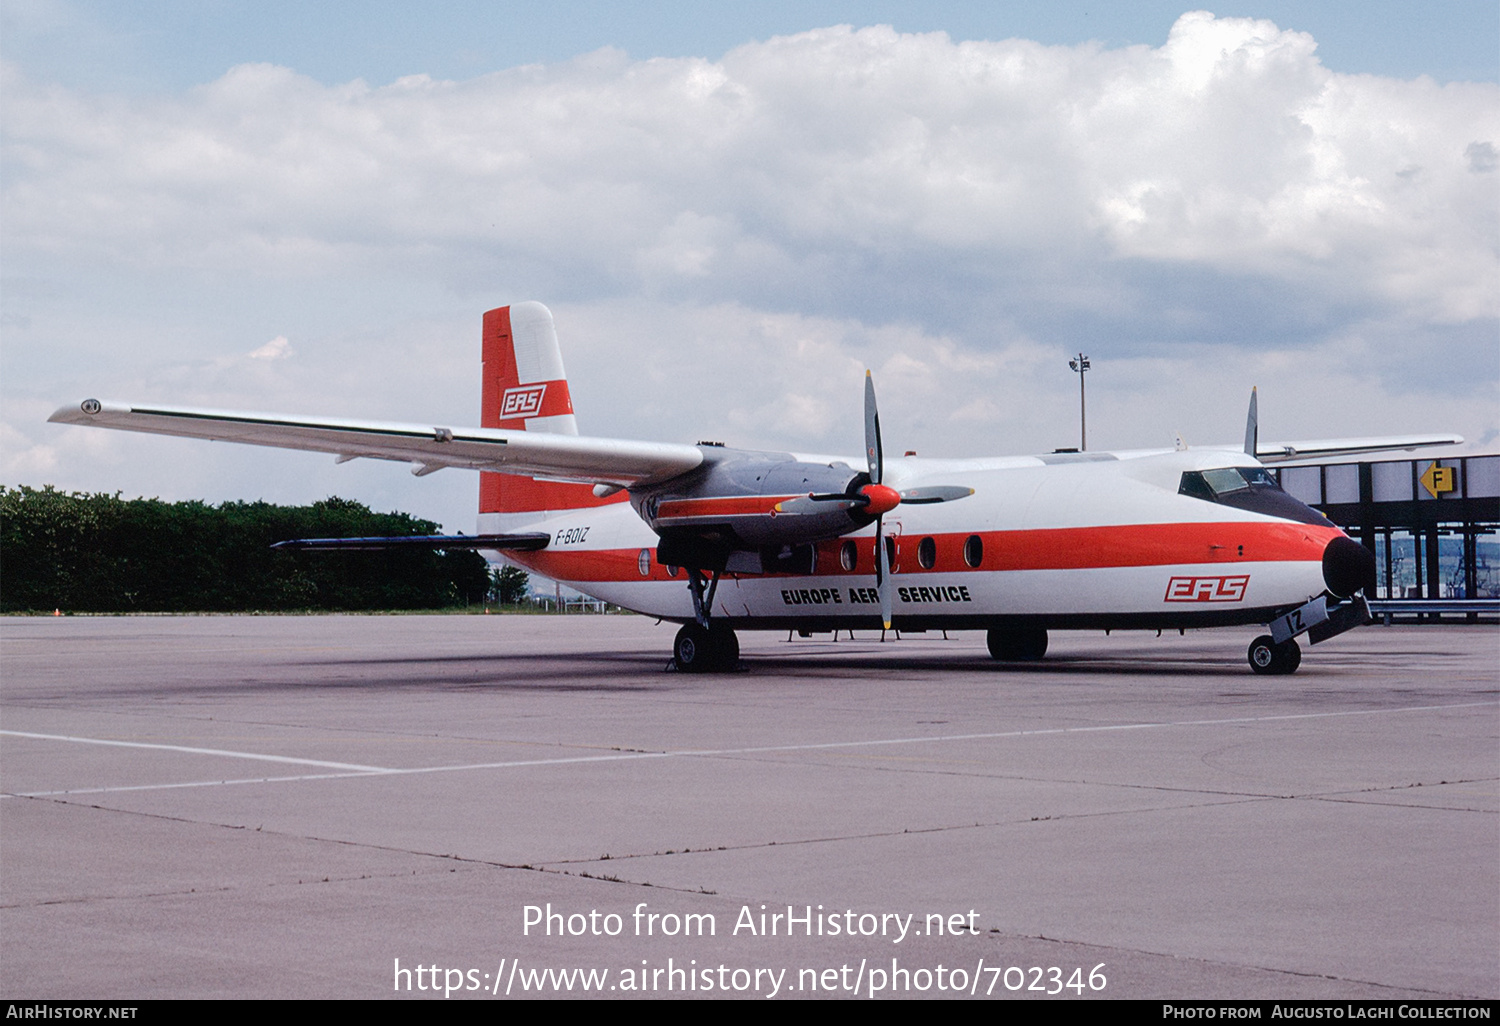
<point>525,401</point>
<point>1206,589</point>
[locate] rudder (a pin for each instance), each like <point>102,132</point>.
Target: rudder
<point>525,388</point>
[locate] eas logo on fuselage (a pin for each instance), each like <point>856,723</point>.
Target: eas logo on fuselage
<point>1206,589</point>
<point>525,401</point>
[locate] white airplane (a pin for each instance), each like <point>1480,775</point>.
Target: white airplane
<point>720,539</point>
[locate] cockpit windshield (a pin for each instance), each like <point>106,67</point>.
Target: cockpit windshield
<point>1210,484</point>
<point>1250,488</point>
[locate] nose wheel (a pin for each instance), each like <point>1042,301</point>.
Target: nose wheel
<point>1267,657</point>
<point>711,649</point>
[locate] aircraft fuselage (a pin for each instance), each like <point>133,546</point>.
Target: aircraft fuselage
<point>1063,541</point>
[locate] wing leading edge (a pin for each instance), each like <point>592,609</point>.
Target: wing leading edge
<point>1281,452</point>
<point>602,461</point>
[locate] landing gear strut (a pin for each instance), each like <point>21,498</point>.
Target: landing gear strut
<point>1269,657</point>
<point>704,646</point>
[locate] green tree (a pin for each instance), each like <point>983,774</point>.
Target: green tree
<point>101,553</point>
<point>509,585</point>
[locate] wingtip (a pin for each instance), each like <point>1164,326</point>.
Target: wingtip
<point>85,411</point>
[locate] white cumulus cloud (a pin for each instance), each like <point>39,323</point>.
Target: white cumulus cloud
<point>732,242</point>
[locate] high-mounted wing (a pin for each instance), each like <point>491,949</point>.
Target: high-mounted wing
<point>600,461</point>
<point>1281,452</point>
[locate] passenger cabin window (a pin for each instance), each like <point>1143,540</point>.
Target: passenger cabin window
<point>927,553</point>
<point>849,555</point>
<point>974,551</point>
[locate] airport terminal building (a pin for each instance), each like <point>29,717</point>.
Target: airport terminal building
<point>1432,524</point>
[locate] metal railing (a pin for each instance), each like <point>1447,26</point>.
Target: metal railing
<point>1386,610</point>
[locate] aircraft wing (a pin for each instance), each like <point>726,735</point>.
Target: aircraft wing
<point>1281,452</point>
<point>604,461</point>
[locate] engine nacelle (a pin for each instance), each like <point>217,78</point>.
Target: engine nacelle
<point>729,505</point>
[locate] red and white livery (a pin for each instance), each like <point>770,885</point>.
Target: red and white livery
<point>721,539</point>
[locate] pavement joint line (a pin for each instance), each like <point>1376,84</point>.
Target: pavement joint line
<point>364,771</point>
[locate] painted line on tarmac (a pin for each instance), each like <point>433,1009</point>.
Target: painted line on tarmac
<point>199,751</point>
<point>354,771</point>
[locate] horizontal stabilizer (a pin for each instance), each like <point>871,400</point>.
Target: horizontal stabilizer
<point>499,542</point>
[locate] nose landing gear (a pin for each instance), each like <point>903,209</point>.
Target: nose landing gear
<point>1267,656</point>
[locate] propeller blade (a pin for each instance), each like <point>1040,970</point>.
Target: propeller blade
<point>819,503</point>
<point>937,493</point>
<point>887,500</point>
<point>883,572</point>
<point>1252,427</point>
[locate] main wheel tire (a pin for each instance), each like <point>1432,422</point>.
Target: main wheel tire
<point>1291,656</point>
<point>693,650</point>
<point>726,646</point>
<point>1267,657</point>
<point>1025,646</point>
<point>713,650</point>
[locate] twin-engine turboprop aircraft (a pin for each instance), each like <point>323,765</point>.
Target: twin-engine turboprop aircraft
<point>720,539</point>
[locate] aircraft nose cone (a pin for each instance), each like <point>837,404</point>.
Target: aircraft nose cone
<point>1347,567</point>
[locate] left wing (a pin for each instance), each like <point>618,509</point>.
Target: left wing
<point>601,461</point>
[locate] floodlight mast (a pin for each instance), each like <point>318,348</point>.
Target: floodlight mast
<point>1081,364</point>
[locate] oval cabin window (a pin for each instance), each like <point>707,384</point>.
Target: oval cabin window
<point>974,551</point>
<point>927,553</point>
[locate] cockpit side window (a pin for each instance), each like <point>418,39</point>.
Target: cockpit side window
<point>1250,488</point>
<point>1194,485</point>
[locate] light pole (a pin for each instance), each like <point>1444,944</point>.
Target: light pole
<point>1081,365</point>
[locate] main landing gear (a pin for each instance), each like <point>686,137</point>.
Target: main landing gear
<point>703,646</point>
<point>1270,657</point>
<point>712,649</point>
<point>1024,646</point>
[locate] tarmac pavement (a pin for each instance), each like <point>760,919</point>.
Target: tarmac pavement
<point>311,806</point>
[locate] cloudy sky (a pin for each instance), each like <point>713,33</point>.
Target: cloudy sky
<point>732,210</point>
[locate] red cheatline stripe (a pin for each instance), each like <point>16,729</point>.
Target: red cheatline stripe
<point>749,505</point>
<point>1068,548</point>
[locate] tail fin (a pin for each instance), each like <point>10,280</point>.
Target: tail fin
<point>526,389</point>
